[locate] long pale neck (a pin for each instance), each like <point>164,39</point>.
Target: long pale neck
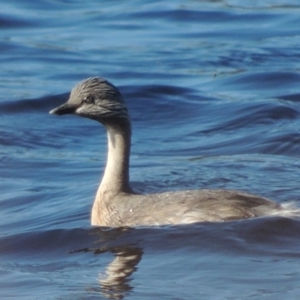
<point>116,175</point>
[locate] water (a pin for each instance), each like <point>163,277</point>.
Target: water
<point>213,91</point>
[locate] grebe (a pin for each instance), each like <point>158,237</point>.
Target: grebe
<point>116,204</point>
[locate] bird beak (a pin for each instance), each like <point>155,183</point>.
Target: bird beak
<point>63,109</point>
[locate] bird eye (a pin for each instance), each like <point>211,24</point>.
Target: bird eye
<point>88,99</point>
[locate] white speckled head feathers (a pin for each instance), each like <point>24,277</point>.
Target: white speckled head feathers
<point>94,98</point>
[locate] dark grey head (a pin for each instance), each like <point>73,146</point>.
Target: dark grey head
<point>94,98</point>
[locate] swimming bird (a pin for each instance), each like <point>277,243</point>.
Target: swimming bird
<point>116,204</point>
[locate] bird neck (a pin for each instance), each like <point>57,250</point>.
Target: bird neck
<point>116,174</point>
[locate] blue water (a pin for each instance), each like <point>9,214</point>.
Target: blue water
<point>213,91</point>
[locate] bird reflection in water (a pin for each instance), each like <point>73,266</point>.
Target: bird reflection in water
<point>115,283</point>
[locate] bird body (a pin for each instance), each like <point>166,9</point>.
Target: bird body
<point>116,204</point>
<point>179,207</point>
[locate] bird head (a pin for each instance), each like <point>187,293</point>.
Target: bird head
<point>94,98</point>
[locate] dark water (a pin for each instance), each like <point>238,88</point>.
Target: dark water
<point>213,90</point>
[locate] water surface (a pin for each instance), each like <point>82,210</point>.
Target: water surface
<point>213,91</point>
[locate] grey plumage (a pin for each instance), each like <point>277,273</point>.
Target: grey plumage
<point>116,204</point>
<point>105,100</point>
